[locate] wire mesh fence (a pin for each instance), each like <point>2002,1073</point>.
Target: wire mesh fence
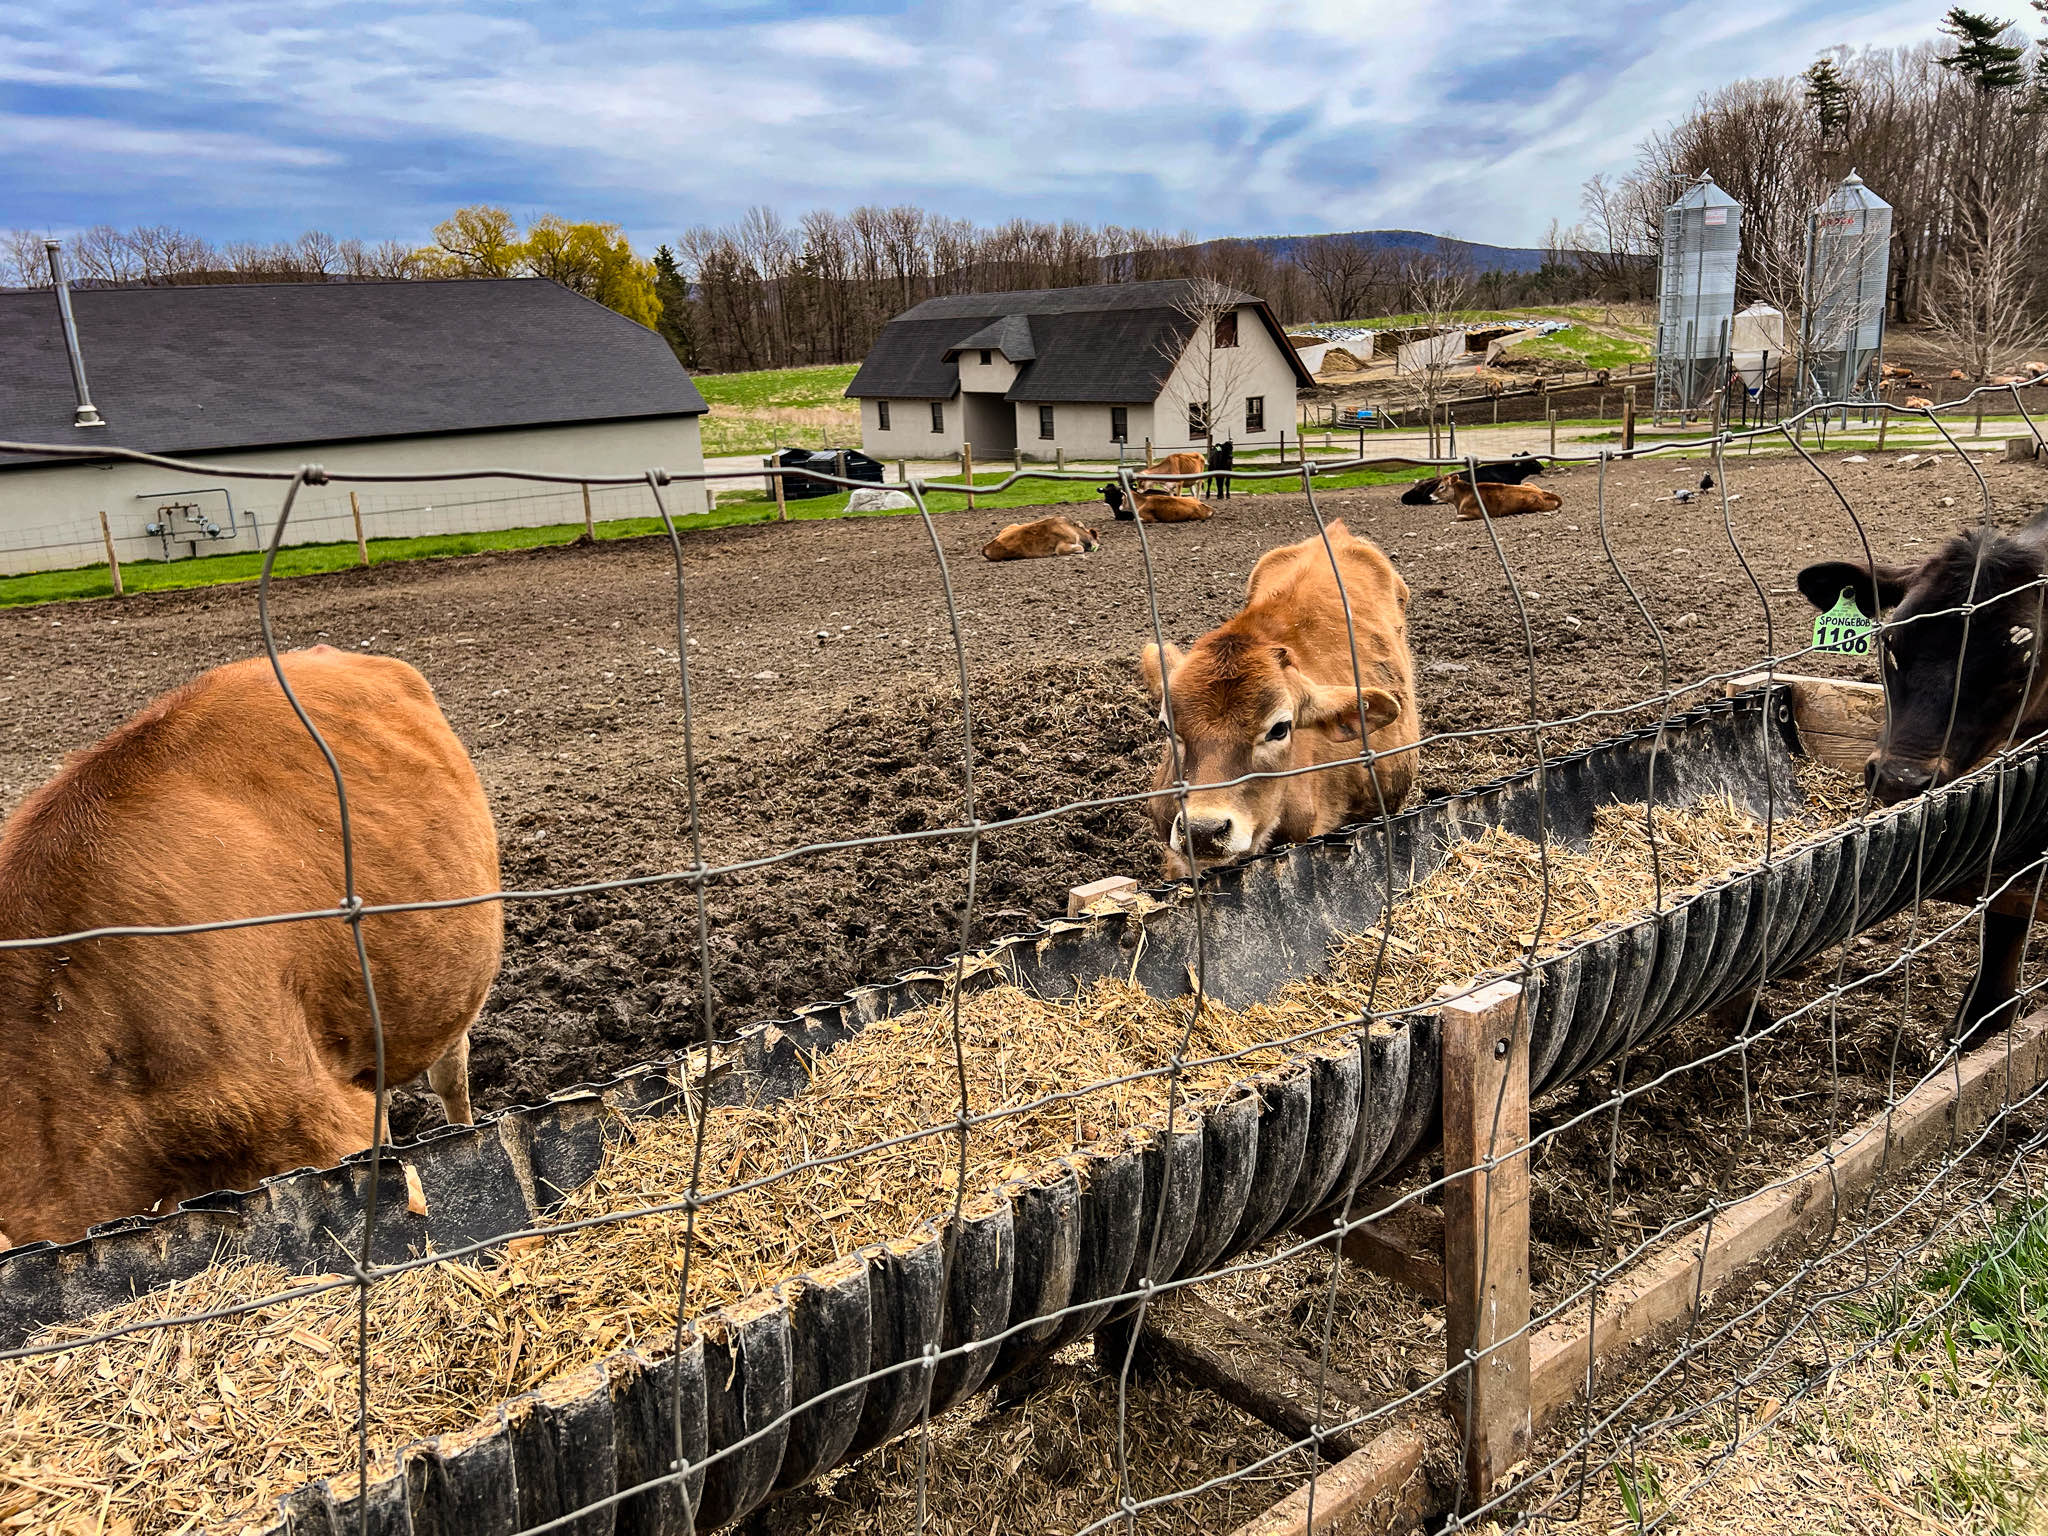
<point>792,1247</point>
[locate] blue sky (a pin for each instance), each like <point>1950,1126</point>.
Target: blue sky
<point>244,120</point>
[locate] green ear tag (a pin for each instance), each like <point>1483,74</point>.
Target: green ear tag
<point>1844,629</point>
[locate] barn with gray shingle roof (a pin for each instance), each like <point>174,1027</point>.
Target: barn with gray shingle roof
<point>1080,370</point>
<point>384,377</point>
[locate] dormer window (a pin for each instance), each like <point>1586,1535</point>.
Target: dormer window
<point>985,357</point>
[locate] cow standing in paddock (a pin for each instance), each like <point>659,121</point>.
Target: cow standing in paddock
<point>137,1072</point>
<point>1039,540</point>
<point>1172,464</point>
<point>1222,459</point>
<point>1273,689</point>
<point>1951,708</point>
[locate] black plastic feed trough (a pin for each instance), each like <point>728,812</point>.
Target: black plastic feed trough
<point>793,1382</point>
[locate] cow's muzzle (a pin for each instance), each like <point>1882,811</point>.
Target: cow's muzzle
<point>1891,779</point>
<point>1209,836</point>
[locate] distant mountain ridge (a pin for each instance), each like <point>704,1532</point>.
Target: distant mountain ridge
<point>1484,258</point>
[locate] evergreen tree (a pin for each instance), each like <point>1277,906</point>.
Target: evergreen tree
<point>1980,56</point>
<point>1827,93</point>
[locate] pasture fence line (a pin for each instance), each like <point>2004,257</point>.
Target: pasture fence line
<point>1959,1132</point>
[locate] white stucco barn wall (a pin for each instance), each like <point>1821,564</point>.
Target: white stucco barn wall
<point>50,514</point>
<point>1258,367</point>
<point>1080,429</point>
<point>910,434</point>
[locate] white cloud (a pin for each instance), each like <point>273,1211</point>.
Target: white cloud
<point>1219,115</point>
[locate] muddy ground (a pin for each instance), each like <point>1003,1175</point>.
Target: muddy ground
<point>826,707</point>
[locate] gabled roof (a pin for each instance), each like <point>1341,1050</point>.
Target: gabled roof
<point>1010,336</point>
<point>1113,343</point>
<point>208,368</point>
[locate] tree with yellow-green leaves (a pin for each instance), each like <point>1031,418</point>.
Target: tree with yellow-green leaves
<point>590,258</point>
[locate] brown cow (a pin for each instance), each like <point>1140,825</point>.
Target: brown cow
<point>1157,507</point>
<point>1273,689</point>
<point>1957,373</point>
<point>1035,541</point>
<point>136,1072</point>
<point>1501,500</point>
<point>1919,403</point>
<point>1174,464</point>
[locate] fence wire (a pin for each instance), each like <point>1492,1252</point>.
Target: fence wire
<point>1872,1245</point>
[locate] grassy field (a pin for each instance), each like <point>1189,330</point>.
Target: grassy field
<point>735,507</point>
<point>1589,346</point>
<point>779,407</point>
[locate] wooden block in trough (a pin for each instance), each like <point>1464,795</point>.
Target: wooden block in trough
<point>1082,898</point>
<point>1838,721</point>
<point>1406,1246</point>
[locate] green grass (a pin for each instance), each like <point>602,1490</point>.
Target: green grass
<point>779,407</point>
<point>2000,1287</point>
<point>735,508</point>
<point>1583,347</point>
<point>822,385</point>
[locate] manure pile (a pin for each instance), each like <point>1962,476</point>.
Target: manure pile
<point>208,1424</point>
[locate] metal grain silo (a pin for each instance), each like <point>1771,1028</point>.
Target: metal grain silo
<point>1848,255</point>
<point>1696,296</point>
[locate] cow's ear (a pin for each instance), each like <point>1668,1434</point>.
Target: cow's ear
<point>1334,706</point>
<point>1154,681</point>
<point>1875,588</point>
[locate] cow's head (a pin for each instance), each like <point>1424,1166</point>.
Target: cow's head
<point>1948,706</point>
<point>1242,706</point>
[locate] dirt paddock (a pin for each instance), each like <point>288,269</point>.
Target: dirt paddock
<point>827,707</point>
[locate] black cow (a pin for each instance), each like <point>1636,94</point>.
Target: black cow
<point>1113,498</point>
<point>1949,709</point>
<point>1510,471</point>
<point>1222,456</point>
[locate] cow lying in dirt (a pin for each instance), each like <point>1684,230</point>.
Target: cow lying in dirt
<point>1510,471</point>
<point>1501,500</point>
<point>1155,507</point>
<point>1037,541</point>
<point>137,1072</point>
<point>1273,689</point>
<point>1950,708</point>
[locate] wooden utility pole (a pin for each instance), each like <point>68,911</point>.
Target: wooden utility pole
<point>355,510</point>
<point>589,527</point>
<point>113,560</point>
<point>1486,1228</point>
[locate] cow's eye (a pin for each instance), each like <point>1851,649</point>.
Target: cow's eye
<point>1280,730</point>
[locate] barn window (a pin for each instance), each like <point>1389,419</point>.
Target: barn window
<point>984,357</point>
<point>1198,419</point>
<point>1045,421</point>
<point>1226,329</point>
<point>938,416</point>
<point>882,414</point>
<point>1255,413</point>
<point>1119,424</point>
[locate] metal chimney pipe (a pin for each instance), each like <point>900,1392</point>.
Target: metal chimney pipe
<point>87,415</point>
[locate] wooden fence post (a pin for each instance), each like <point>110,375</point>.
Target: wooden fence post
<point>1486,1228</point>
<point>839,465</point>
<point>589,526</point>
<point>1884,419</point>
<point>1628,417</point>
<point>903,471</point>
<point>113,560</point>
<point>1553,431</point>
<point>967,471</point>
<point>1059,459</point>
<point>781,505</point>
<point>355,509</point>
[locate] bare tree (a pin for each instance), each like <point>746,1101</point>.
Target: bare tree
<point>1345,274</point>
<point>1985,300</point>
<point>1438,287</point>
<point>23,261</point>
<point>1213,363</point>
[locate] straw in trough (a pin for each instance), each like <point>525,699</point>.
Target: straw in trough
<point>207,1424</point>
